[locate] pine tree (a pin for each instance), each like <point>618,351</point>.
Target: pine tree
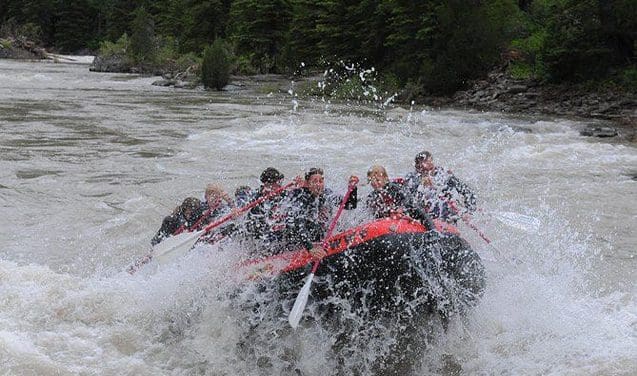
<point>72,29</point>
<point>259,30</point>
<point>216,65</point>
<point>143,42</point>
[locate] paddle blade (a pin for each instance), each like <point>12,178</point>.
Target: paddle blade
<point>299,304</point>
<point>519,221</point>
<point>175,245</point>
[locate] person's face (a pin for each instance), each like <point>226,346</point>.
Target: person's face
<point>188,213</point>
<point>377,180</point>
<point>213,199</point>
<point>316,184</point>
<point>272,186</point>
<point>425,165</point>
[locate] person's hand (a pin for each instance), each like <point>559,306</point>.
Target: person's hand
<point>235,213</point>
<point>226,197</point>
<point>317,252</point>
<point>353,180</point>
<point>426,181</point>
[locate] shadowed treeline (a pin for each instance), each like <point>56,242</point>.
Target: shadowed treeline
<point>422,47</point>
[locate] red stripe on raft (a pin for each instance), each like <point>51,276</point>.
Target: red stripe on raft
<point>291,260</point>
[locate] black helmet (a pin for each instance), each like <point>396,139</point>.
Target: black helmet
<point>192,205</point>
<point>422,156</point>
<point>271,175</point>
<point>313,171</point>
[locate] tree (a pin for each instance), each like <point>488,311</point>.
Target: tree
<point>204,21</point>
<point>216,65</point>
<point>143,44</point>
<point>259,29</point>
<point>72,29</point>
<point>575,43</point>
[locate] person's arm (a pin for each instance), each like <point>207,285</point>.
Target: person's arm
<point>352,200</point>
<point>168,227</point>
<point>466,193</point>
<point>421,216</point>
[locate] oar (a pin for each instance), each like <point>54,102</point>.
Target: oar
<point>473,227</point>
<point>301,300</point>
<point>519,221</point>
<point>186,240</point>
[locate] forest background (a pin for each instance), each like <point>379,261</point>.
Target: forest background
<point>428,47</point>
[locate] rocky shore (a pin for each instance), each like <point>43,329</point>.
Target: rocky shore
<point>500,93</point>
<point>19,48</point>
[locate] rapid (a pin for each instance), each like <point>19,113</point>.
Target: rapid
<point>92,162</point>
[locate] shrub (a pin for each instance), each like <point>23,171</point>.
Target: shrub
<point>119,48</point>
<point>216,65</point>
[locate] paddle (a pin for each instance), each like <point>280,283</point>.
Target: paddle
<point>301,300</point>
<point>474,227</point>
<point>519,221</point>
<point>186,240</point>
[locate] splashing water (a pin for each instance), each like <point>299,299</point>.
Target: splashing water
<point>92,162</point>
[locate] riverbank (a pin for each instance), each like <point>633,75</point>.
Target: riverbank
<point>616,111</point>
<point>500,93</point>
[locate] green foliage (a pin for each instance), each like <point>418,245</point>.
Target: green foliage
<point>586,39</point>
<point>258,29</point>
<point>521,70</point>
<point>243,65</point>
<point>143,43</point>
<point>5,43</point>
<point>31,32</point>
<point>628,78</point>
<point>216,65</point>
<point>119,48</point>
<point>202,22</point>
<point>428,47</point>
<point>72,30</point>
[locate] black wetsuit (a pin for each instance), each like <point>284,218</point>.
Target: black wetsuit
<point>308,216</point>
<point>266,221</point>
<point>435,199</point>
<point>391,199</point>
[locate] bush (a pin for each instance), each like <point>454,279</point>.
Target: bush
<point>244,65</point>
<point>216,65</point>
<point>629,79</point>
<point>119,48</point>
<point>6,43</point>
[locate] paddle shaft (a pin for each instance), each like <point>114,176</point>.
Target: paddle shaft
<point>247,207</point>
<point>216,223</point>
<point>301,299</point>
<point>466,220</point>
<point>330,229</point>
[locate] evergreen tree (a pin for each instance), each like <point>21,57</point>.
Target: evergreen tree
<point>119,16</point>
<point>72,29</point>
<point>304,36</point>
<point>143,43</point>
<point>337,28</point>
<point>216,65</point>
<point>259,30</point>
<point>204,22</point>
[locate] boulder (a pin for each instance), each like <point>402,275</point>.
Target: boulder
<point>113,63</point>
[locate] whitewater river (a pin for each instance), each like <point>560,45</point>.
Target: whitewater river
<point>90,163</point>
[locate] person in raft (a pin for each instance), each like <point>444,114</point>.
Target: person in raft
<point>388,198</point>
<point>217,203</point>
<point>436,190</point>
<point>185,217</point>
<point>266,221</point>
<point>310,209</point>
